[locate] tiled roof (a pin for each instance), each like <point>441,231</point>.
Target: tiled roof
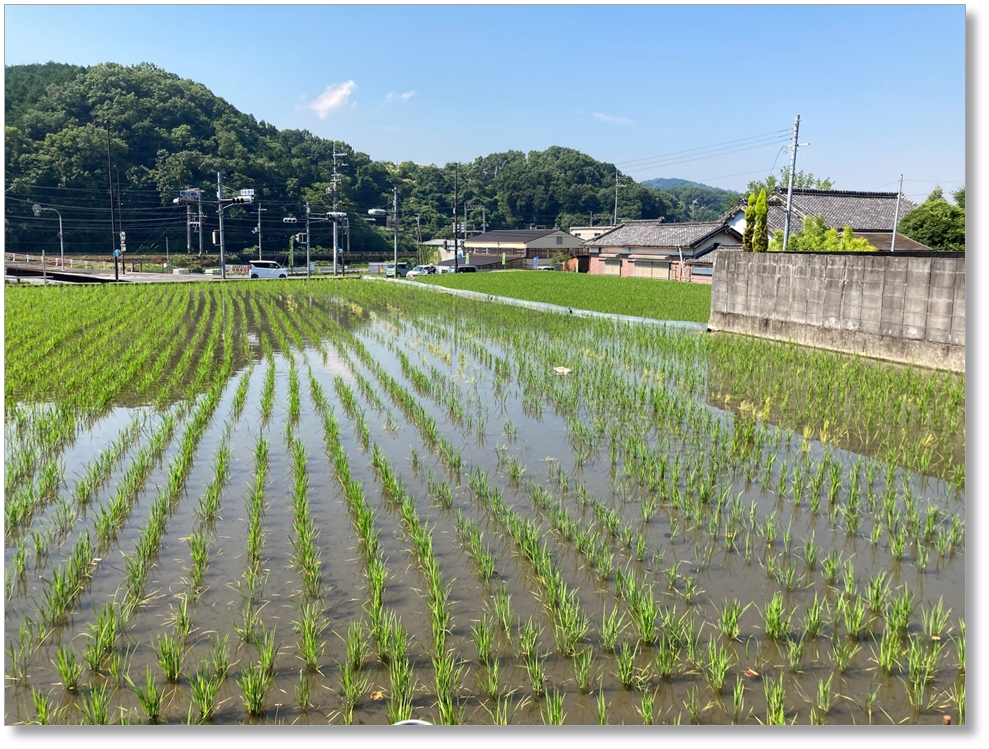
<point>863,211</point>
<point>708,257</point>
<point>656,234</point>
<point>882,240</point>
<point>511,235</point>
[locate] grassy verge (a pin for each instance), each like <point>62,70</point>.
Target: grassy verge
<point>661,300</point>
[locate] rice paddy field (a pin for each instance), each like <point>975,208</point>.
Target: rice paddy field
<point>312,502</point>
<point>638,297</point>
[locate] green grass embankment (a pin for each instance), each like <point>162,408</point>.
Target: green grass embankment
<point>660,300</point>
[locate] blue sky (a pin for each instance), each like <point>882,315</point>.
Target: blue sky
<point>880,89</point>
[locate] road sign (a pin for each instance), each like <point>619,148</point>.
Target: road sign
<point>188,193</point>
<point>116,253</point>
<point>247,192</point>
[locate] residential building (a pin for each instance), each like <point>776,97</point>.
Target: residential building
<point>647,249</point>
<point>870,214</point>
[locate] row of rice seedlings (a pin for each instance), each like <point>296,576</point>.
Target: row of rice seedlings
<point>570,623</point>
<point>97,473</point>
<point>472,539</point>
<point>349,402</point>
<point>446,671</point>
<point>354,683</point>
<point>306,557</point>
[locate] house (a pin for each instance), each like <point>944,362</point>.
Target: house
<point>870,214</point>
<point>529,243</point>
<point>648,249</point>
<point>589,232</point>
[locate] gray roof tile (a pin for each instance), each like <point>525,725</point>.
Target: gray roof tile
<point>656,234</point>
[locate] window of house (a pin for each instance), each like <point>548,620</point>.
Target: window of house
<point>559,240</point>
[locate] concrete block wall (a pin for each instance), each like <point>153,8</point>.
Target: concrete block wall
<point>906,308</point>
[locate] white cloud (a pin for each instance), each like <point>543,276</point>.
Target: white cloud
<point>612,119</point>
<point>392,96</point>
<point>336,96</point>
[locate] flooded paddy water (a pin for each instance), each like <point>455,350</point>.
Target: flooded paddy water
<point>299,502</point>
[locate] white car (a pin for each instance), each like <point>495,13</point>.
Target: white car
<point>421,270</point>
<point>267,269</point>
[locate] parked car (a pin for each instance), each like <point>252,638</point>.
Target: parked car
<point>444,269</point>
<point>403,270</point>
<point>421,270</point>
<point>267,269</point>
<point>466,269</point>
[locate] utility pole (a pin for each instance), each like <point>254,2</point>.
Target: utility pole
<point>395,224</point>
<point>617,185</point>
<point>113,228</point>
<point>199,225</point>
<point>456,199</point>
<point>896,216</point>
<point>308,272</point>
<point>789,189</point>
<point>418,239</point>
<point>188,228</point>
<point>120,225</point>
<point>219,209</point>
<point>336,179</point>
<point>258,229</point>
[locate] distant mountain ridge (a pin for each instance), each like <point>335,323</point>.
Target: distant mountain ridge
<point>665,183</point>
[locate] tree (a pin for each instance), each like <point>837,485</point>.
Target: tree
<point>801,181</point>
<point>959,196</point>
<point>937,223</point>
<point>760,235</point>
<point>815,236</point>
<point>749,224</point>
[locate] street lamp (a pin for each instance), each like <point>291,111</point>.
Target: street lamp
<point>38,208</point>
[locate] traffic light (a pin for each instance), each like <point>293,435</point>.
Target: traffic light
<point>289,220</point>
<point>216,237</point>
<point>300,237</point>
<point>242,199</point>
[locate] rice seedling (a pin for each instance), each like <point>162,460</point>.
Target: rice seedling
<point>46,713</point>
<point>69,670</point>
<point>693,704</point>
<point>899,611</point>
<point>582,662</point>
<point>795,649</point>
<point>728,618</point>
<point>254,682</point>
<point>612,625</point>
<point>552,711</point>
<point>169,654</point>
<point>303,691</point>
<point>310,628</point>
<point>502,606</point>
<point>625,656</point>
<point>492,676</point>
<point>716,668</point>
<point>775,618</point>
<point>358,648</point>
<point>483,634</point>
<point>205,684</point>
<point>536,669</point>
<point>842,653</point>
<point>934,620</point>
<point>738,713</point>
<point>95,705</point>
<point>959,641</point>
<point>775,701</point>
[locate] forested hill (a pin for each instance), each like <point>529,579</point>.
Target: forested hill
<point>167,133</point>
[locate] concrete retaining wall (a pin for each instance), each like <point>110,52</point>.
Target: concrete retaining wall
<point>904,308</point>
